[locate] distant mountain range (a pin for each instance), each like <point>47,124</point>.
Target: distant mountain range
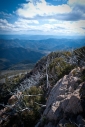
<point>38,37</point>
<point>50,44</point>
<point>15,51</point>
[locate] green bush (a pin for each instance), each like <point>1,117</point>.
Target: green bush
<point>58,68</point>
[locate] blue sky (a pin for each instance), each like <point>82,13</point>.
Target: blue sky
<point>51,17</point>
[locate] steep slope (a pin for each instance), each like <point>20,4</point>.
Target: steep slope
<point>56,84</point>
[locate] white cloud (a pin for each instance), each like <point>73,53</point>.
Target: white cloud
<point>30,10</point>
<point>49,26</point>
<point>20,25</point>
<point>21,21</point>
<point>73,2</point>
<point>3,21</point>
<point>5,15</point>
<point>52,20</point>
<point>40,9</point>
<point>64,27</point>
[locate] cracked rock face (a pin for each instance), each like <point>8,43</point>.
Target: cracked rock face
<point>64,97</point>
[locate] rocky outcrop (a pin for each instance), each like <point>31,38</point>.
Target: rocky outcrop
<point>65,97</point>
<point>14,98</point>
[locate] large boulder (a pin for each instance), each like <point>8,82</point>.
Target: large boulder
<point>64,96</point>
<point>14,98</point>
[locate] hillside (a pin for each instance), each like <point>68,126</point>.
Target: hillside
<point>12,56</point>
<point>51,95</point>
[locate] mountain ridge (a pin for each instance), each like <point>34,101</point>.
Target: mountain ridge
<point>52,94</point>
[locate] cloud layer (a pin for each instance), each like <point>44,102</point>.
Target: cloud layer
<point>40,16</point>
